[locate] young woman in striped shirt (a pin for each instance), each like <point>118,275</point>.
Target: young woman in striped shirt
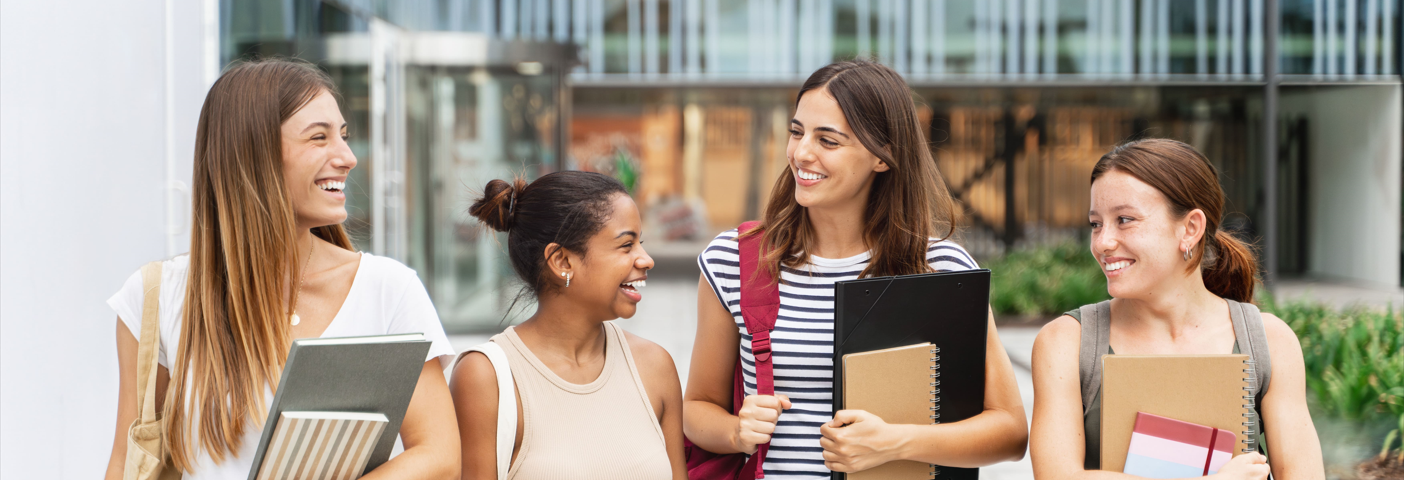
<point>861,198</point>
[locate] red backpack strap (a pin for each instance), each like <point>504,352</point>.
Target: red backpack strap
<point>760,304</point>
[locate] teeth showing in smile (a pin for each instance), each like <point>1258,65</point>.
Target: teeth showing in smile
<point>637,284</point>
<point>1112,267</point>
<point>332,186</point>
<point>803,175</point>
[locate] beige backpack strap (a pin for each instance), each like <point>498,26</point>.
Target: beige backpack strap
<point>147,453</point>
<point>150,343</point>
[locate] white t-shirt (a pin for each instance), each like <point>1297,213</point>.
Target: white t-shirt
<point>386,297</point>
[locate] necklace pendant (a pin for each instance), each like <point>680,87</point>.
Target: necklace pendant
<point>296,319</point>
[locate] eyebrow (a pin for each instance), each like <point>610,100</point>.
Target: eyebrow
<point>319,124</point>
<point>821,129</point>
<point>627,232</point>
<point>1117,208</point>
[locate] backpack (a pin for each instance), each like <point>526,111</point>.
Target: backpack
<point>760,304</point>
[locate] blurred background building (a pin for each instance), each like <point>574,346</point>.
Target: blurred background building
<point>1296,101</point>
<point>687,102</point>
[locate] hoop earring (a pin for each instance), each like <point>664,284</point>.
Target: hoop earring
<point>1187,254</point>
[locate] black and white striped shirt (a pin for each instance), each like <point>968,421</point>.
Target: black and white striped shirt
<point>802,342</point>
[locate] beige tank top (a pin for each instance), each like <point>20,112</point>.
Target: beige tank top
<point>605,429</point>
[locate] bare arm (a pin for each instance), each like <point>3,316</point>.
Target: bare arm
<point>660,378</point>
<point>707,418</point>
<point>857,440</point>
<point>127,346</point>
<point>428,432</point>
<point>474,389</point>
<point>1291,437</point>
<point>1057,443</point>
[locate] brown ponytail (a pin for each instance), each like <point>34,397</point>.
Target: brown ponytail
<point>1233,272</point>
<point>1189,181</point>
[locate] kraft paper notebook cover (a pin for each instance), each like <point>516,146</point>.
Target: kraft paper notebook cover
<point>321,445</point>
<point>374,375</point>
<point>1167,448</point>
<point>895,385</point>
<point>949,310</point>
<point>1209,390</point>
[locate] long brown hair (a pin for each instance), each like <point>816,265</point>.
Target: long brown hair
<point>1189,181</point>
<point>235,332</point>
<point>908,204</point>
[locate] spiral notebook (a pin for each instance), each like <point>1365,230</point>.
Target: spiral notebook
<point>949,310</point>
<point>1209,390</point>
<point>897,385</point>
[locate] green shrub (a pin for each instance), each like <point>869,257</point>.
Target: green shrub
<point>1353,358</point>
<point>1045,280</point>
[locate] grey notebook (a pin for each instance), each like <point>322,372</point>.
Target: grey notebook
<point>350,374</point>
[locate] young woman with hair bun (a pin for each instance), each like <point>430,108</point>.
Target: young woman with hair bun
<point>1179,284</point>
<point>595,402</point>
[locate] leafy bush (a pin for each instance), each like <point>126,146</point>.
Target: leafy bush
<point>1354,361</point>
<point>1045,280</point>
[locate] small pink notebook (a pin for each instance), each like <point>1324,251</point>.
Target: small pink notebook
<point>1168,448</point>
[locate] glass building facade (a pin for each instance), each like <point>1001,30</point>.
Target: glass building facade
<point>687,102</point>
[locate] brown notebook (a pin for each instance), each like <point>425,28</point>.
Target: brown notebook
<point>896,384</point>
<point>1209,390</point>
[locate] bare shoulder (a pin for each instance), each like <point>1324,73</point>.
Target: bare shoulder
<point>473,376</point>
<point>1282,341</point>
<point>1060,331</point>
<point>1275,328</point>
<point>1057,342</point>
<point>652,360</point>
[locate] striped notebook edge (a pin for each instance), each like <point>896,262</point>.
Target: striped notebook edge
<point>321,445</point>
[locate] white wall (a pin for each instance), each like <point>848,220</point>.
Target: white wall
<point>82,168</point>
<point>1354,181</point>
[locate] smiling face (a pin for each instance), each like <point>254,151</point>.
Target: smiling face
<point>606,281</point>
<point>1136,236</point>
<point>830,166</point>
<point>316,160</point>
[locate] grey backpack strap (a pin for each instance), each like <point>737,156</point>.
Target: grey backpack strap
<point>1252,341</point>
<point>1096,338</point>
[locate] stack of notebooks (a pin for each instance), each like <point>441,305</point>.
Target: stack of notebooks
<point>339,406</point>
<point>1173,416</point>
<point>890,337</point>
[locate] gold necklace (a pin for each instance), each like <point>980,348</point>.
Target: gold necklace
<point>296,319</point>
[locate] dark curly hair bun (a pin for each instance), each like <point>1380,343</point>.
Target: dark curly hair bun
<point>496,208</point>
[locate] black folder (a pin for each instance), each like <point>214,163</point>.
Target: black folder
<point>948,309</point>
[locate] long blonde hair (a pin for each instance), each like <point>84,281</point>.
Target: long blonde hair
<point>235,332</point>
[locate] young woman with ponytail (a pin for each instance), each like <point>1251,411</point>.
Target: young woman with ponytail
<point>269,263</point>
<point>1179,285</point>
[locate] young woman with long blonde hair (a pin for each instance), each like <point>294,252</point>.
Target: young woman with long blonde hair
<point>269,262</point>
